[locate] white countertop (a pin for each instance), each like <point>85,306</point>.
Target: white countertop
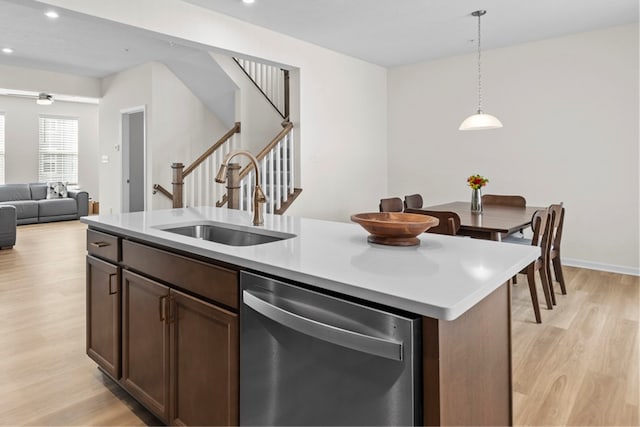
<point>442,277</point>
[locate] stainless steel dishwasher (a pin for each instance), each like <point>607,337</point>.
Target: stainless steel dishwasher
<point>307,358</point>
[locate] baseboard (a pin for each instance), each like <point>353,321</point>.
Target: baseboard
<point>569,262</point>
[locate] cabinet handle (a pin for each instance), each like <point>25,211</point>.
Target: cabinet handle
<point>111,276</point>
<point>162,307</point>
<point>99,244</point>
<point>170,310</point>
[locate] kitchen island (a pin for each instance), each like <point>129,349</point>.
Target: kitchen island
<point>458,286</point>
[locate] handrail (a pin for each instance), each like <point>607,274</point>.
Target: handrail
<point>284,114</point>
<point>161,189</point>
<point>214,147</point>
<point>287,128</point>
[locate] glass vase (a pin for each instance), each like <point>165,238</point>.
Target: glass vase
<point>476,200</point>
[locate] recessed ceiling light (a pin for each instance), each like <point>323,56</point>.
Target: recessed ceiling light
<point>248,1</point>
<point>7,50</point>
<point>51,14</point>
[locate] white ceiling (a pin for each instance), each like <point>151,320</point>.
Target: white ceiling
<point>398,32</point>
<point>385,32</point>
<point>78,44</point>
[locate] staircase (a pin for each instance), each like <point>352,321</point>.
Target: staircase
<point>194,185</point>
<point>272,81</point>
<point>277,168</point>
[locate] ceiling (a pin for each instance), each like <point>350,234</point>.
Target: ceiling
<point>385,32</point>
<point>78,44</point>
<point>398,32</point>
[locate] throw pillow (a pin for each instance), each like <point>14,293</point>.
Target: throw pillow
<point>56,190</point>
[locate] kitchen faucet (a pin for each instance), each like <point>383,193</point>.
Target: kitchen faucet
<point>258,194</point>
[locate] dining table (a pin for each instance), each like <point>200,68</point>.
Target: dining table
<point>491,223</point>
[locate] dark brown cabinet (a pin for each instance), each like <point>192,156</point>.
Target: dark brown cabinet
<point>179,354</point>
<point>204,362</point>
<point>103,315</point>
<point>145,342</point>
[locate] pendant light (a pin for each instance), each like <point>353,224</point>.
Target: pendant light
<point>480,120</point>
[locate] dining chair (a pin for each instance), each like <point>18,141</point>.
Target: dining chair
<point>504,200</point>
<point>557,212</point>
<point>392,204</point>
<point>542,227</point>
<point>413,201</point>
<point>449,222</point>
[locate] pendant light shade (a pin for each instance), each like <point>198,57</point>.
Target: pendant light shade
<point>480,120</point>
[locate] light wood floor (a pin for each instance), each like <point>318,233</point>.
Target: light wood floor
<point>579,367</point>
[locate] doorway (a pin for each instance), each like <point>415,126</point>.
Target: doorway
<point>133,159</point>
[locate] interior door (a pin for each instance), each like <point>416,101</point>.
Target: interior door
<point>133,160</point>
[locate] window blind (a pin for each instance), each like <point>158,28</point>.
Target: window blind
<point>1,148</point>
<point>58,155</point>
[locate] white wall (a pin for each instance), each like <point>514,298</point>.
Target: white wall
<point>21,123</point>
<point>179,128</point>
<point>29,79</point>
<point>343,101</point>
<point>569,107</point>
<point>128,89</point>
<point>183,128</point>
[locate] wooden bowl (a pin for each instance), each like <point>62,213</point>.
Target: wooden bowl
<point>395,228</point>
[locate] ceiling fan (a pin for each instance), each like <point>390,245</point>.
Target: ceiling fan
<point>44,98</point>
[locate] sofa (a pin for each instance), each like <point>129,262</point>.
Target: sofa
<point>7,226</point>
<point>33,206</point>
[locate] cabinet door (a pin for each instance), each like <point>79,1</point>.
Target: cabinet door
<point>145,342</point>
<point>103,315</point>
<point>204,363</point>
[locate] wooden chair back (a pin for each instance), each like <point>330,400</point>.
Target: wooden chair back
<point>413,201</point>
<point>504,200</point>
<point>449,222</point>
<point>557,213</point>
<point>542,226</point>
<point>392,204</point>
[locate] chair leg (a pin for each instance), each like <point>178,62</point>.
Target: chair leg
<point>557,268</point>
<point>545,287</point>
<point>531,278</point>
<point>547,269</point>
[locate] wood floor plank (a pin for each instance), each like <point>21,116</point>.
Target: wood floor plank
<point>600,338</point>
<point>600,401</point>
<point>580,366</point>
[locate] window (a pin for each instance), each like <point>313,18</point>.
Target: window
<point>1,148</point>
<point>58,158</point>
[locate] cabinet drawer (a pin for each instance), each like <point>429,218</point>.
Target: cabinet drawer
<point>103,245</point>
<point>206,280</point>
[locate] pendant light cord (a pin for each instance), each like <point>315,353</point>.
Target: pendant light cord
<point>479,71</point>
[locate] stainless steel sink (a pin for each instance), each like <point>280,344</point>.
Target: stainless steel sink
<point>229,235</point>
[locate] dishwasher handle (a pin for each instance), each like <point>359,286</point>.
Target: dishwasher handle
<point>343,337</point>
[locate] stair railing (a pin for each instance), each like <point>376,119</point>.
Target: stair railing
<point>272,81</point>
<point>277,166</point>
<point>195,182</point>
